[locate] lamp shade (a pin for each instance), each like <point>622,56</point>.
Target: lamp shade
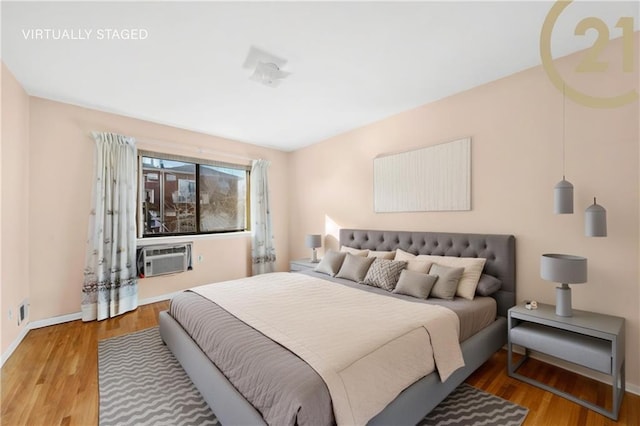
<point>563,268</point>
<point>563,197</point>
<point>313,241</point>
<point>595,220</point>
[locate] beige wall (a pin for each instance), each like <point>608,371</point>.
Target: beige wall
<point>516,129</point>
<point>15,205</point>
<point>61,163</point>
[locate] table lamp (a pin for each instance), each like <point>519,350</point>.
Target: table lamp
<point>565,269</point>
<point>314,241</point>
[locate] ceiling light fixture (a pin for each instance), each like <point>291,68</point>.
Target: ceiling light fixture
<point>563,191</point>
<point>267,68</point>
<point>268,74</point>
<point>595,223</point>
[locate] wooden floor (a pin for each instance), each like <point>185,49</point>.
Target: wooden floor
<point>52,379</point>
<point>546,408</point>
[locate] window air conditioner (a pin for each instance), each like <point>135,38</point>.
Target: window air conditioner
<point>161,260</point>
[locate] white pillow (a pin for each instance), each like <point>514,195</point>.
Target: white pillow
<point>355,252</point>
<point>473,267</point>
<point>389,255</point>
<point>414,263</point>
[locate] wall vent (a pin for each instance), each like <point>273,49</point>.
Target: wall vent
<point>164,259</point>
<point>23,311</point>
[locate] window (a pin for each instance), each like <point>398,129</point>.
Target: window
<point>183,196</point>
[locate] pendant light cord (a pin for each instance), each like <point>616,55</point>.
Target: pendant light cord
<point>564,102</point>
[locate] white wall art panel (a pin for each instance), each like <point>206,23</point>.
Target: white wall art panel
<point>435,178</point>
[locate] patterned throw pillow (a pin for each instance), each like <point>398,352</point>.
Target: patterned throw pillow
<point>384,273</point>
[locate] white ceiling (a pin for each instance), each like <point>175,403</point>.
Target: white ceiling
<point>351,63</point>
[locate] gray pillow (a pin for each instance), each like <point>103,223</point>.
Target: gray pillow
<point>415,284</point>
<point>355,268</point>
<point>331,263</point>
<point>488,285</point>
<point>384,273</point>
<point>447,283</point>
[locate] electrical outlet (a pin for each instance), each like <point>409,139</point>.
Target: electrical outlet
<point>199,258</point>
<point>10,314</point>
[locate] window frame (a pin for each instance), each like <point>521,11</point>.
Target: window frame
<point>197,162</point>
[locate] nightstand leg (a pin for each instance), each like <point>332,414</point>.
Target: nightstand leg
<point>618,391</point>
<point>511,366</point>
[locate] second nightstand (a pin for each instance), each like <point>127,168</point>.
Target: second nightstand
<point>301,265</point>
<point>588,339</point>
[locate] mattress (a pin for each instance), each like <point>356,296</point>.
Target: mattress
<point>282,387</point>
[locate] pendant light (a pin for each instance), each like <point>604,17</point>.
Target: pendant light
<point>595,220</point>
<point>563,191</point>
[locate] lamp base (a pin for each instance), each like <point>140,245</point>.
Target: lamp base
<point>563,301</point>
<point>314,256</point>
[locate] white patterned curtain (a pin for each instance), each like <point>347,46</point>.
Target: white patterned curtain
<point>110,284</point>
<point>263,251</point>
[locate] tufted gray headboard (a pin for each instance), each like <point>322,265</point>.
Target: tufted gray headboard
<point>499,250</point>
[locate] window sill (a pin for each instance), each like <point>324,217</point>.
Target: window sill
<point>189,238</point>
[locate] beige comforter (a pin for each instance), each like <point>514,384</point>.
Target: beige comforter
<point>365,346</point>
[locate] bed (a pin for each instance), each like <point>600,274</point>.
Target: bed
<point>414,402</point>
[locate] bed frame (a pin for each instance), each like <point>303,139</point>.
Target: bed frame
<point>417,400</point>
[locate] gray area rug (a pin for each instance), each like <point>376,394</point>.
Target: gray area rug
<point>469,406</point>
<point>141,383</point>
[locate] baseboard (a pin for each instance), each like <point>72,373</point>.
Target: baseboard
<point>54,320</point>
<point>14,345</point>
<point>32,325</point>
<point>154,299</point>
<point>629,387</point>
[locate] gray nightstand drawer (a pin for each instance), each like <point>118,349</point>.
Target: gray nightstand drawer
<point>577,348</point>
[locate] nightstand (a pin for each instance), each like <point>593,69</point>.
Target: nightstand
<point>588,339</point>
<point>302,265</point>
